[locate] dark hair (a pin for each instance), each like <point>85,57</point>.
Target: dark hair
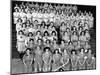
<point>20,31</point>
<point>30,33</point>
<point>53,32</point>
<point>45,33</point>
<point>46,48</point>
<point>82,32</point>
<point>73,51</point>
<point>38,31</point>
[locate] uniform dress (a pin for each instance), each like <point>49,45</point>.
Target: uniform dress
<point>46,61</point>
<point>16,17</point>
<point>90,62</point>
<point>65,59</point>
<point>81,62</point>
<point>74,62</point>
<point>21,43</point>
<point>82,40</point>
<point>74,39</point>
<point>27,60</point>
<point>38,60</point>
<point>56,62</point>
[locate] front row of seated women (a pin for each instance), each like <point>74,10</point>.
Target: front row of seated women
<point>43,60</point>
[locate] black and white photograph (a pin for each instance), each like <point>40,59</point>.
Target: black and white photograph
<point>52,37</point>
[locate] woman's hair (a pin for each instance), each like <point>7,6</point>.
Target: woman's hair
<point>46,48</point>
<point>30,33</point>
<point>38,31</point>
<point>82,32</point>
<point>20,31</point>
<point>53,32</point>
<point>45,33</point>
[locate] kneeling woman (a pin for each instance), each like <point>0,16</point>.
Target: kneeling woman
<point>27,60</point>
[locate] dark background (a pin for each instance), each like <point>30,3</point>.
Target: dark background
<point>87,8</point>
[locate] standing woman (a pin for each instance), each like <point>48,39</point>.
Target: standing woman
<point>21,42</point>
<point>38,59</point>
<point>65,60</point>
<point>47,57</point>
<point>27,60</point>
<point>82,60</point>
<point>16,15</point>
<point>74,61</point>
<point>56,60</point>
<point>90,61</point>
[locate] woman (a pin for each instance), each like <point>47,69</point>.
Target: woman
<point>27,60</point>
<point>90,61</point>
<point>23,15</point>
<point>65,60</point>
<point>20,41</point>
<point>46,36</point>
<point>74,38</point>
<point>56,60</point>
<point>74,61</point>
<point>31,44</point>
<point>16,15</point>
<point>87,35</point>
<point>19,25</point>
<point>62,45</point>
<point>53,36</point>
<point>70,46</point>
<point>82,39</point>
<point>47,57</point>
<point>38,35</point>
<point>66,37</point>
<point>81,60</point>
<point>38,59</point>
<point>47,43</point>
<point>62,27</point>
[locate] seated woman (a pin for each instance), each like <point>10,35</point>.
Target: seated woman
<point>24,28</point>
<point>31,28</point>
<point>54,45</point>
<point>38,59</point>
<point>90,61</point>
<point>81,60</point>
<point>74,61</point>
<point>62,27</point>
<point>27,60</point>
<point>62,45</point>
<point>87,35</point>
<point>45,36</point>
<point>87,46</point>
<point>65,60</point>
<point>31,44</point>
<point>66,37</point>
<point>46,57</point>
<point>80,29</point>
<point>74,38</point>
<point>53,36</point>
<point>47,43</point>
<point>56,60</point>
<point>39,42</point>
<point>82,39</point>
<point>70,46</point>
<point>38,35</point>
